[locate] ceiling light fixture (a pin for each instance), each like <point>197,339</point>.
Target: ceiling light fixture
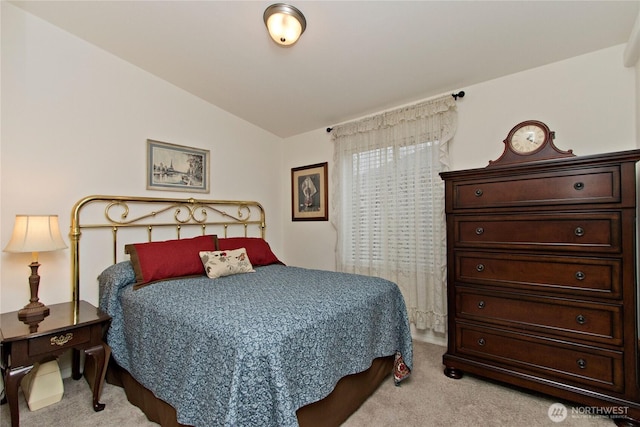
<point>285,23</point>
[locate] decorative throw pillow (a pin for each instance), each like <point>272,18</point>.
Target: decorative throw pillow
<point>225,263</point>
<point>156,261</point>
<point>400,369</point>
<point>258,250</point>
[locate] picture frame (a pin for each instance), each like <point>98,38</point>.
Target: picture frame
<point>172,167</point>
<point>310,193</point>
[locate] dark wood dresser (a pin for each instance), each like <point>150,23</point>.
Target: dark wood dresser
<point>542,287</point>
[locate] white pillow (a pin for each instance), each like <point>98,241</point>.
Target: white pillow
<point>225,263</point>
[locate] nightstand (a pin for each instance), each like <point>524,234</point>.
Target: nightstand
<point>66,327</point>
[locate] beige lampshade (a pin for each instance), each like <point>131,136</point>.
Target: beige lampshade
<point>285,23</point>
<point>35,233</point>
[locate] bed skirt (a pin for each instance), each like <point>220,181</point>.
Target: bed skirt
<point>347,396</point>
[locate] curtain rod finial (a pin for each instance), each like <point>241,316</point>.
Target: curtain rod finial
<point>458,95</point>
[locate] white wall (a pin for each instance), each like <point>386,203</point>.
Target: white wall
<point>637,69</point>
<point>309,244</point>
<point>75,120</point>
<point>587,100</point>
<point>631,55</point>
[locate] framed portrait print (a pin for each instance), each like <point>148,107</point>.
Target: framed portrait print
<point>309,193</point>
<point>174,167</point>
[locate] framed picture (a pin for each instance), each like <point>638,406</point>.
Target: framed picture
<point>309,193</point>
<point>174,167</point>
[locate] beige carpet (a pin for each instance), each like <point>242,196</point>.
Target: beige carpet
<point>428,398</point>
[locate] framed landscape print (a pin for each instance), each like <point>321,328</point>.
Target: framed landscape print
<point>309,193</point>
<point>174,167</point>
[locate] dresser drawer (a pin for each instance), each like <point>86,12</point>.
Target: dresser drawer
<point>584,232</point>
<point>595,185</point>
<point>556,360</point>
<point>60,341</point>
<point>591,277</point>
<point>570,318</point>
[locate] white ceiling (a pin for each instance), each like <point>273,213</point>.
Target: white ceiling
<point>354,59</point>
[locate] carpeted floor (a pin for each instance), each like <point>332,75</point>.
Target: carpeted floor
<point>427,399</point>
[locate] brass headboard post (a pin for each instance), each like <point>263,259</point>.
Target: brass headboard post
<point>74,238</point>
<point>176,213</point>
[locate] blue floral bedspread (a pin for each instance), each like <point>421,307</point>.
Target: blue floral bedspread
<point>250,349</point>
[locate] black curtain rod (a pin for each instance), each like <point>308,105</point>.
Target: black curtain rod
<point>455,96</point>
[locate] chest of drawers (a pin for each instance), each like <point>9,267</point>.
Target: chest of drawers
<point>542,287</point>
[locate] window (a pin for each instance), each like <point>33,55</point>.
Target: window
<point>392,198</point>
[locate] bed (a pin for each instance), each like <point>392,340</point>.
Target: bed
<point>211,328</point>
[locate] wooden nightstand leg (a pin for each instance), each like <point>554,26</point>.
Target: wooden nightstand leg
<point>12,379</point>
<point>75,364</point>
<point>100,354</point>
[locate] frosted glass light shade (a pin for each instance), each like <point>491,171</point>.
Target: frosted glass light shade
<point>285,23</point>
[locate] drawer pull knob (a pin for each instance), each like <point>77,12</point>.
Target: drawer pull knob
<point>481,304</point>
<point>479,230</point>
<point>579,231</point>
<point>581,319</point>
<point>580,275</point>
<point>478,192</point>
<point>579,186</point>
<point>480,267</point>
<point>62,339</point>
<point>582,364</point>
<point>481,341</point>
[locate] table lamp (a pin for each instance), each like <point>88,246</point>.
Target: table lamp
<point>35,233</point>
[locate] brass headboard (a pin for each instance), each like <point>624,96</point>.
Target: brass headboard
<point>244,218</point>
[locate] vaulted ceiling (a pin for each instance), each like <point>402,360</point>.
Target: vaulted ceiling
<point>355,57</point>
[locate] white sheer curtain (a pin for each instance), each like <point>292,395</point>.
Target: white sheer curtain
<point>388,202</point>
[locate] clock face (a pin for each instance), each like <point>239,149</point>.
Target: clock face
<point>528,139</point>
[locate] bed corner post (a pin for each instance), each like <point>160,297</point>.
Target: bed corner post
<point>263,222</point>
<point>74,239</point>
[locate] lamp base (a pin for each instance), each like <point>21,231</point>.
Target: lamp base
<point>33,312</point>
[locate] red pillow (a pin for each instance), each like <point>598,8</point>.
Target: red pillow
<point>258,250</point>
<point>156,261</point>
